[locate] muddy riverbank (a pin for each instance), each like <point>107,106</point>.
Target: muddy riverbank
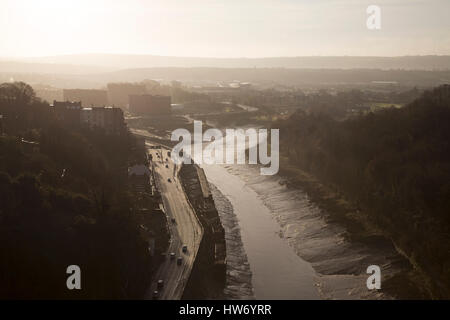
<point>295,246</point>
<point>239,275</point>
<point>325,230</point>
<point>400,278</point>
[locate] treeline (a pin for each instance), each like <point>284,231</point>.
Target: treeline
<point>334,103</point>
<point>395,165</point>
<point>64,201</point>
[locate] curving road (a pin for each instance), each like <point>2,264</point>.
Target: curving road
<point>186,230</point>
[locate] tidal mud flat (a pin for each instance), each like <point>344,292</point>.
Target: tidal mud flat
<point>340,264</point>
<point>239,276</point>
<point>318,260</point>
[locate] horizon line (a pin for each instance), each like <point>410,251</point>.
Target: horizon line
<point>216,57</point>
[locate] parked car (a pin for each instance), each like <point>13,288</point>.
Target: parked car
<point>160,284</point>
<point>169,180</point>
<point>172,255</point>
<point>155,294</point>
<point>173,220</point>
<point>179,261</point>
<point>184,249</point>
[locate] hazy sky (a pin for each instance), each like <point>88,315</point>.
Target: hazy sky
<point>222,28</point>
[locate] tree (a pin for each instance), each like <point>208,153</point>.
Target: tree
<point>17,94</point>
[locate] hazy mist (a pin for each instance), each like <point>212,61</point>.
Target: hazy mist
<point>201,28</point>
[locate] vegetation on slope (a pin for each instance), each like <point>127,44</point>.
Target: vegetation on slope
<point>395,165</point>
<point>64,201</point>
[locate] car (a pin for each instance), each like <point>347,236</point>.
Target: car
<point>155,294</point>
<point>172,255</point>
<point>160,284</point>
<point>169,180</point>
<point>167,166</point>
<point>184,249</point>
<point>179,261</point>
<point>173,220</point>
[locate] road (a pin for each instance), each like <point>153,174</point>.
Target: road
<point>186,230</point>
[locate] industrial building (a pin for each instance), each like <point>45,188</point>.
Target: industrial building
<point>90,97</point>
<point>118,92</point>
<point>146,104</point>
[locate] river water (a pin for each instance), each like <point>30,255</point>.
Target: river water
<point>293,252</point>
<point>280,245</point>
<point>277,271</point>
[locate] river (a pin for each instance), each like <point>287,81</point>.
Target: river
<point>281,245</point>
<point>277,272</point>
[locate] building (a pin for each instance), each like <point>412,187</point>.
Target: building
<point>118,92</point>
<point>89,97</point>
<point>109,119</point>
<point>67,112</point>
<point>48,93</point>
<point>72,114</point>
<point>147,104</point>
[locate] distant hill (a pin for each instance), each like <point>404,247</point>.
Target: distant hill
<point>96,70</point>
<point>431,62</point>
<point>8,66</point>
<point>260,77</point>
<point>284,76</point>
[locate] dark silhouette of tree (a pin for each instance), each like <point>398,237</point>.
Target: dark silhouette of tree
<point>50,220</point>
<point>394,163</point>
<point>17,94</point>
